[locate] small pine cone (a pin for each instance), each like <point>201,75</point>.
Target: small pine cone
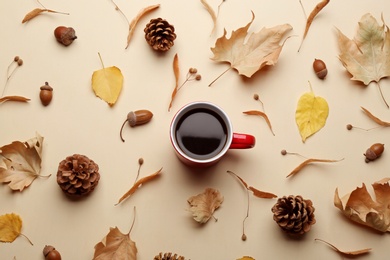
<point>294,214</point>
<point>168,256</point>
<point>159,34</point>
<point>77,175</point>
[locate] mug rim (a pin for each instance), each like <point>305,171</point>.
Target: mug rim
<point>214,108</point>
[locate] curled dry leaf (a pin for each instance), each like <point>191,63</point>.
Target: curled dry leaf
<point>176,71</point>
<point>10,228</point>
<point>14,98</point>
<point>366,57</point>
<point>37,11</point>
<point>311,17</point>
<point>211,12</point>
<point>107,83</point>
<point>20,162</point>
<point>375,119</point>
<point>138,184</point>
<point>311,114</point>
<point>203,205</point>
<point>249,56</point>
<point>360,207</point>
<point>136,19</point>
<point>263,115</point>
<point>309,161</point>
<point>346,253</point>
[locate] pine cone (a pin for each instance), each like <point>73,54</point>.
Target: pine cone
<point>168,256</point>
<point>159,34</point>
<point>294,214</point>
<point>77,175</point>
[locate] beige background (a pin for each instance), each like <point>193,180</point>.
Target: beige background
<point>78,122</point>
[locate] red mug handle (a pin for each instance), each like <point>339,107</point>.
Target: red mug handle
<point>242,141</point>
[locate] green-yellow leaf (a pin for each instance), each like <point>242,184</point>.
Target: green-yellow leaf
<point>10,227</point>
<point>311,114</point>
<point>107,83</point>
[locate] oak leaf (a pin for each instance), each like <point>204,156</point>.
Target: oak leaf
<point>116,246</point>
<point>203,205</point>
<point>367,56</point>
<point>20,162</point>
<point>260,49</point>
<point>107,83</point>
<point>311,114</point>
<point>360,207</point>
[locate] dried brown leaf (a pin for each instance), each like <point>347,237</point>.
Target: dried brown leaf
<point>212,14</point>
<point>309,161</point>
<point>176,71</point>
<point>203,205</point>
<point>14,98</point>
<point>256,192</point>
<point>375,119</point>
<point>37,11</point>
<point>311,17</point>
<point>346,253</point>
<point>262,114</point>
<point>136,19</point>
<point>138,184</point>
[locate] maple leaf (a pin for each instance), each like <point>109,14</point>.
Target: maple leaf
<point>203,205</point>
<point>261,48</point>
<point>361,208</point>
<point>107,83</point>
<point>367,56</point>
<point>20,163</point>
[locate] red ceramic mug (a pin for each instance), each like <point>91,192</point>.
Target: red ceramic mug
<point>201,133</point>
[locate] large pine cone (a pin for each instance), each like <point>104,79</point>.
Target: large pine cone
<point>168,256</point>
<point>294,214</point>
<point>159,34</point>
<point>77,175</point>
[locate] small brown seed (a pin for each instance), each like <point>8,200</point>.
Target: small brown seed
<point>16,58</point>
<point>192,70</point>
<point>320,68</point>
<point>20,62</point>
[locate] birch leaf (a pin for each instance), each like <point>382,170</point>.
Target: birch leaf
<point>246,258</point>
<point>107,83</point>
<point>20,162</point>
<point>260,49</point>
<point>138,184</point>
<point>346,253</point>
<point>311,114</point>
<point>10,227</point>
<point>203,205</point>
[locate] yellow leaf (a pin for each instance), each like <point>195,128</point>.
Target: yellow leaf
<point>10,227</point>
<point>107,83</point>
<point>311,114</point>
<point>246,258</point>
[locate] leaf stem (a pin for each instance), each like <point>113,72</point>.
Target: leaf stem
<point>101,61</point>
<point>132,224</point>
<point>219,76</point>
<point>26,238</point>
<point>383,97</point>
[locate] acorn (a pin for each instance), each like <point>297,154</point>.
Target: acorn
<point>320,68</point>
<point>46,94</point>
<point>374,152</point>
<point>65,35</point>
<point>51,253</point>
<point>135,118</point>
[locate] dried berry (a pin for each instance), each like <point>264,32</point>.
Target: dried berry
<point>135,118</point>
<point>65,35</point>
<point>46,94</point>
<point>374,152</point>
<point>51,253</point>
<point>320,68</point>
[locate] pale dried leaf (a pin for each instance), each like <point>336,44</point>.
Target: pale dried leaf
<point>346,253</point>
<point>256,192</point>
<point>138,184</point>
<point>116,246</point>
<point>360,207</point>
<point>249,56</point>
<point>211,11</point>
<point>203,205</point>
<point>136,19</point>
<point>307,162</point>
<point>176,71</point>
<point>263,115</point>
<point>375,119</point>
<point>37,11</point>
<point>20,163</point>
<point>14,98</point>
